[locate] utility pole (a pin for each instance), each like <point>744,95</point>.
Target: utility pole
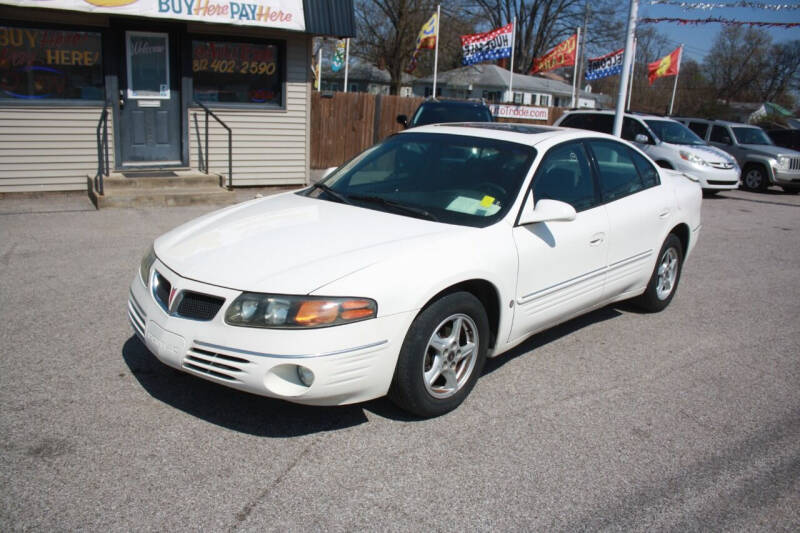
<point>627,60</point>
<point>586,10</point>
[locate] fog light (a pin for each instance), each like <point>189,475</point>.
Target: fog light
<point>305,375</point>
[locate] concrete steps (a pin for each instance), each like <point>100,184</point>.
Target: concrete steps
<point>186,188</point>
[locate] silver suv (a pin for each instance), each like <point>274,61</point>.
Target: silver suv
<point>763,164</point>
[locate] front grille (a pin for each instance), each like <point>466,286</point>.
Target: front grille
<point>724,166</point>
<point>794,163</point>
<point>721,182</point>
<point>199,306</point>
<point>161,290</point>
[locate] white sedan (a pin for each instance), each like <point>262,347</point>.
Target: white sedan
<point>404,269</point>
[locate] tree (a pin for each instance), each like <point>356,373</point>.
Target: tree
<point>737,61</point>
<point>388,29</point>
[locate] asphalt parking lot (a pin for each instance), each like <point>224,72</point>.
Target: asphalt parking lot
<point>684,420</point>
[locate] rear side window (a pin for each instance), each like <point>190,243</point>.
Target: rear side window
<point>619,175</point>
<point>590,121</point>
<point>719,135</point>
<point>647,172</point>
<point>699,128</point>
<point>564,174</point>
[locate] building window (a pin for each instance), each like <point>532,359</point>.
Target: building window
<point>518,98</point>
<point>44,65</point>
<point>237,73</point>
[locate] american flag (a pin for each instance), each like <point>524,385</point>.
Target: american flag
<point>489,46</point>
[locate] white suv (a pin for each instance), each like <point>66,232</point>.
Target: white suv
<point>668,142</point>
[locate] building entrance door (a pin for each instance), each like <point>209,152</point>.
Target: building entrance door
<point>150,101</point>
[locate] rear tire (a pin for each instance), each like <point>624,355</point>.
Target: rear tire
<point>442,356</point>
<point>664,280</point>
<point>754,178</point>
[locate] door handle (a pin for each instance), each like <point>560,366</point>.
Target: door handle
<point>597,238</point>
<point>664,213</point>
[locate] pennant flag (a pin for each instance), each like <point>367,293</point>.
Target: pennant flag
<point>426,38</point>
<point>563,55</point>
<point>607,65</point>
<point>666,66</point>
<point>487,46</point>
<point>338,56</point>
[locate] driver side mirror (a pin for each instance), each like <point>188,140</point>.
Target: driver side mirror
<point>641,138</point>
<point>545,211</point>
<point>402,120</point>
<point>726,140</point>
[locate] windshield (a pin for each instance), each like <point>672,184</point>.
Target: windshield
<point>435,113</point>
<point>674,132</point>
<point>746,135</point>
<point>454,179</point>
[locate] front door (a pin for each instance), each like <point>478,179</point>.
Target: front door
<point>150,101</point>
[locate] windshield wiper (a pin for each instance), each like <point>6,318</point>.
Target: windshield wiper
<point>338,196</point>
<point>418,211</point>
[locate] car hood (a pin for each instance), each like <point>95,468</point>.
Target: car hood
<point>768,149</point>
<point>288,244</point>
<point>711,154</point>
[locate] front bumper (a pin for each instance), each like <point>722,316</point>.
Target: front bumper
<point>350,363</point>
<point>786,177</point>
<point>717,179</point>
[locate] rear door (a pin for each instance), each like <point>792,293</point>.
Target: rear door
<point>639,214</point>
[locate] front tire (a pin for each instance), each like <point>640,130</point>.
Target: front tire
<point>664,281</point>
<point>755,178</point>
<point>442,356</point>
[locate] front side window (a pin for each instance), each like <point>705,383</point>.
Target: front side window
<point>455,179</point>
<point>43,65</point>
<point>565,175</point>
<point>601,122</point>
<point>619,176</point>
<point>746,135</point>
<point>237,73</point>
<point>631,128</point>
<point>673,132</point>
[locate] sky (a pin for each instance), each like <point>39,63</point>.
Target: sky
<point>698,39</point>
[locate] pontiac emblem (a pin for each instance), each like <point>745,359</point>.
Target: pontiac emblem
<point>172,293</point>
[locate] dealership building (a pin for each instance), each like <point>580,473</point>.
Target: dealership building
<point>134,82</point>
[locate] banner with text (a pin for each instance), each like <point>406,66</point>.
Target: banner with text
<point>284,14</point>
<point>523,112</point>
<point>562,55</point>
<point>607,65</point>
<point>495,44</point>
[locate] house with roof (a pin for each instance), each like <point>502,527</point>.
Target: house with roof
<point>490,82</point>
<point>363,78</point>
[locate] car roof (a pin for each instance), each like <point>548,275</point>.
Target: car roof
<point>453,103</point>
<point>717,122</point>
<point>528,134</point>
<point>631,114</point>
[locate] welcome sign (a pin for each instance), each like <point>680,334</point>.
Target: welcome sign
<point>284,14</point>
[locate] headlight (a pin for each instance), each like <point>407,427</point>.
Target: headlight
<point>147,262</point>
<point>692,158</point>
<point>257,310</point>
<point>783,162</point>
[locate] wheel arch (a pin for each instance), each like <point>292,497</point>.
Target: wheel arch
<point>683,232</point>
<point>763,164</point>
<point>486,292</point>
<point>663,163</point>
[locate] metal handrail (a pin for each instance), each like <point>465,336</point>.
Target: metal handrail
<point>204,150</point>
<point>102,149</point>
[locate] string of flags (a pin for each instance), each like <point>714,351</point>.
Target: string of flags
<point>718,20</point>
<point>723,5</point>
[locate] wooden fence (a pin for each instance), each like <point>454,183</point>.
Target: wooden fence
<point>344,124</point>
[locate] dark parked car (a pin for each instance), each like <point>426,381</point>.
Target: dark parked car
<point>438,111</point>
<point>786,138</point>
